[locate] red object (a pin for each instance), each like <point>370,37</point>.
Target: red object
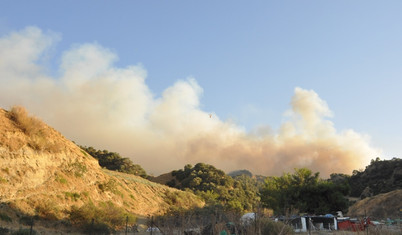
<point>353,225</point>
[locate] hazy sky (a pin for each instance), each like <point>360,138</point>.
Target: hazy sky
<point>244,61</point>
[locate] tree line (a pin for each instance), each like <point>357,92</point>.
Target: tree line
<point>114,162</point>
<point>301,191</point>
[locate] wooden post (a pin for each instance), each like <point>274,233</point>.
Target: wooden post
<point>152,224</point>
<point>92,226</point>
<point>365,221</point>
<point>31,230</point>
<point>126,224</point>
<point>255,222</point>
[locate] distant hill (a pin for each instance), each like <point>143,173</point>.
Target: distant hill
<point>43,174</point>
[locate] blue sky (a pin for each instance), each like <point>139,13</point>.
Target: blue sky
<point>248,56</point>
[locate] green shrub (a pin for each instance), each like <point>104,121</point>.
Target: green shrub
<point>83,152</point>
<point>108,186</point>
<point>79,169</point>
<point>5,217</point>
<point>2,180</point>
<point>61,180</point>
<point>72,196</point>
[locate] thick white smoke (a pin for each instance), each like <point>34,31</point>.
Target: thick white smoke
<point>97,104</point>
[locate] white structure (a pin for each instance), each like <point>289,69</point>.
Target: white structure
<point>303,224</point>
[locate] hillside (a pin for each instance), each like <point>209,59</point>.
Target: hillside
<point>386,205</point>
<point>381,176</point>
<point>45,175</point>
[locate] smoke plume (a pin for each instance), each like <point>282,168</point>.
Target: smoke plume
<point>95,103</point>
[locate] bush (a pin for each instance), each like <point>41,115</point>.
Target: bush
<point>72,196</point>
<point>99,217</point>
<point>114,162</point>
<point>79,169</point>
<point>5,217</point>
<point>61,180</point>
<point>215,187</point>
<point>2,180</point>
<point>47,210</point>
<point>108,186</point>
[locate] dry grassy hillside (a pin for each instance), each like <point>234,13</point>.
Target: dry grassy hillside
<point>386,205</point>
<point>44,174</point>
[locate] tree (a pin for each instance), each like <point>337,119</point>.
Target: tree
<point>303,191</point>
<point>215,187</point>
<point>113,161</point>
<point>381,176</point>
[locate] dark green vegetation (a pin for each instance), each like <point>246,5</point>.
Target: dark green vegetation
<point>381,176</point>
<point>299,192</point>
<point>217,188</point>
<point>304,192</point>
<point>113,161</point>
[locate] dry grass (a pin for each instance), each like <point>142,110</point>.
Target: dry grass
<point>380,206</point>
<point>38,134</point>
<point>29,125</point>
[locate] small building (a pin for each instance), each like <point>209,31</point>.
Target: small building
<point>314,223</point>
